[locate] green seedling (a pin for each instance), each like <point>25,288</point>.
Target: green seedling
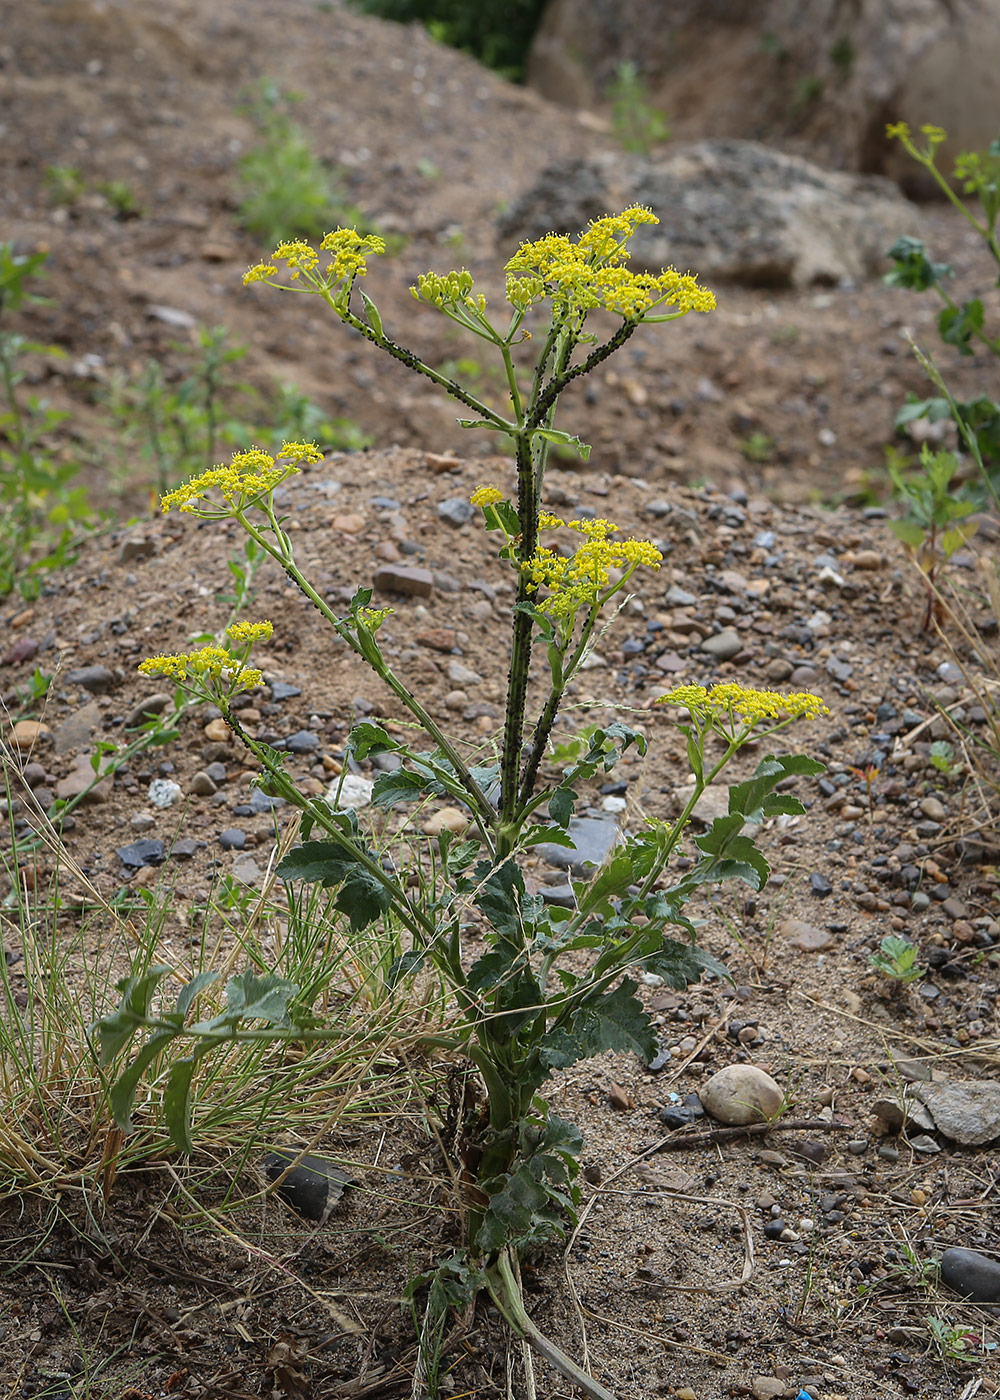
<point>896,960</point>
<point>937,521</point>
<point>636,123</point>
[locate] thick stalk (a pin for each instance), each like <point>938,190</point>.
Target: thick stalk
<point>505,1290</point>
<point>520,651</point>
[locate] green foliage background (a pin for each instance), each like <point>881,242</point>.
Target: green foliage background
<point>497,32</point>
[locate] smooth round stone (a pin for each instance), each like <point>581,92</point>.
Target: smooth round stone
<point>973,1275</point>
<point>232,839</point>
<point>741,1094</point>
<point>202,785</point>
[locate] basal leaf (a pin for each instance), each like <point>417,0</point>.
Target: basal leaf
<point>123,1090</point>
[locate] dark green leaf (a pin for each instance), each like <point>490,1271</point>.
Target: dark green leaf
<point>615,1020</point>
<point>123,1090</point>
<point>682,964</point>
<point>400,785</point>
<point>190,991</point>
<point>561,805</point>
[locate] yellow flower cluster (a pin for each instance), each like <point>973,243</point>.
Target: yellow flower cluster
<point>584,275</point>
<point>900,131</point>
<point>210,663</point>
<point>372,618</point>
<point>580,580</point>
<point>486,496</point>
<point>249,475</point>
<point>250,632</point>
<point>748,706</point>
<point>448,289</point>
<point>349,249</point>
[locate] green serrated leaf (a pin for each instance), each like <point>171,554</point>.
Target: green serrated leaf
<point>615,1020</point>
<point>399,785</point>
<point>561,805</point>
<point>682,964</point>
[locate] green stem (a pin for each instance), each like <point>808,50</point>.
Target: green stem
<point>414,920</point>
<point>481,809</point>
<point>504,1288</point>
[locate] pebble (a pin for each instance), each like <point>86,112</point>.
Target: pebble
<point>163,792</point>
<point>819,885</point>
<point>24,649</point>
<point>934,808</point>
<point>561,896</point>
<point>741,1094</point>
<point>349,524</point>
<point>447,819</point>
<point>355,792</point>
<point>463,675</point>
<point>972,1275</point>
<point>302,741</point>
<point>724,645</point>
<point>806,936</point>
<point>97,679</point>
<point>592,840</point>
<point>148,708</point>
<point>218,731</point>
<point>186,847</point>
<point>436,639</point>
<point>142,821</point>
<point>284,690</point>
<point>202,785</point>
<point>232,839</point>
<point>29,732</point>
<point>456,510</point>
<point>139,853</point>
<point>397,578</point>
<point>247,871</point>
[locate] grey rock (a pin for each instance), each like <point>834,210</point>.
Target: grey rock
<point>76,729</point>
<point>247,871</point>
<point>456,510</point>
<point>202,785</point>
<point>263,802</point>
<point>730,209</point>
<point>302,741</point>
<point>724,645</point>
<point>463,675</point>
<point>967,1111</point>
<point>139,853</point>
<point>351,792</point>
<point>148,708</point>
<point>561,896</point>
<point>972,1275</point>
<point>185,848</point>
<point>97,679</point>
<point>679,597</point>
<point>136,547</point>
<point>283,690</point>
<point>592,841</point>
<point>232,839</point>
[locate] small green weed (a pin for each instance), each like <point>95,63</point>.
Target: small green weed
<point>41,511</point>
<point>931,529</point>
<point>286,191</point>
<point>64,183</point>
<point>122,198</point>
<point>636,123</point>
<point>758,447</point>
<point>897,960</point>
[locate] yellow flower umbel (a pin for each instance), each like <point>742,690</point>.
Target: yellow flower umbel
<point>584,579</point>
<point>212,670</point>
<point>736,709</point>
<point>249,476</point>
<point>588,274</point>
<point>348,247</point>
<point>209,668</point>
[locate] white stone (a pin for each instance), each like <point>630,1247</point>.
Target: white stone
<point>163,792</point>
<point>351,794</point>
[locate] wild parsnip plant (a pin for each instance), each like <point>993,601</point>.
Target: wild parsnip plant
<point>960,324</point>
<point>553,985</point>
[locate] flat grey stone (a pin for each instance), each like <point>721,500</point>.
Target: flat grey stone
<point>967,1111</point>
<point>97,679</point>
<point>302,741</point>
<point>592,840</point>
<point>456,510</point>
<point>139,853</point>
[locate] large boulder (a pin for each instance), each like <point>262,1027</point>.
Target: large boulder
<point>815,76</point>
<point>728,210</point>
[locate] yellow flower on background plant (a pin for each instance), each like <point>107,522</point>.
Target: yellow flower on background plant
<point>486,496</point>
<point>250,632</point>
<point>743,703</point>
